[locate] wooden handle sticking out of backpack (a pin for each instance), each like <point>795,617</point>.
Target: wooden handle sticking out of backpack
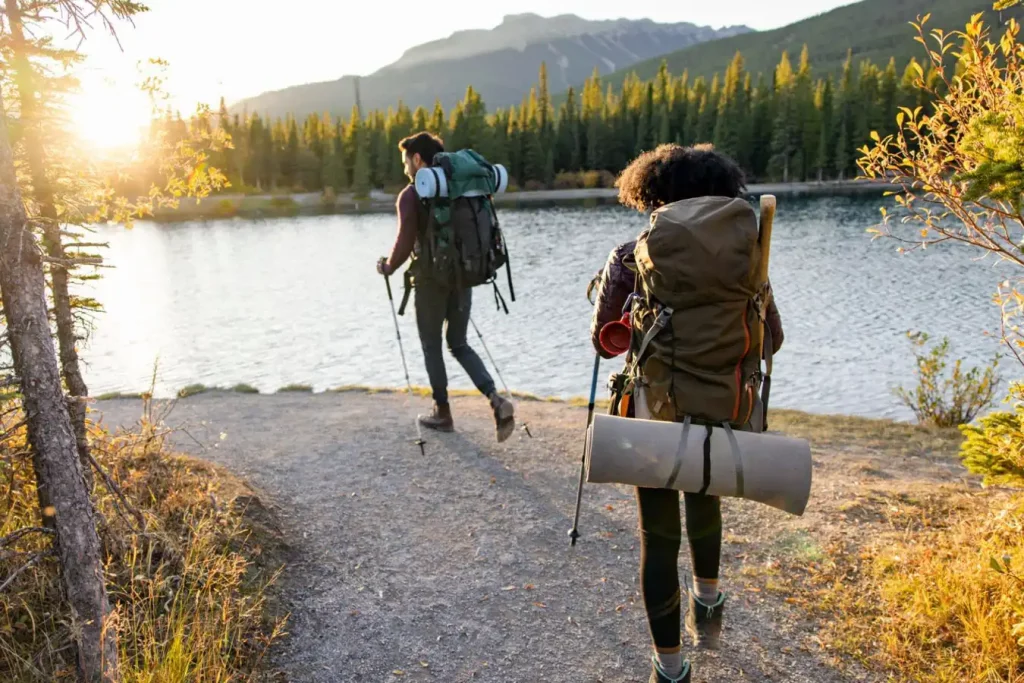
<point>764,235</point>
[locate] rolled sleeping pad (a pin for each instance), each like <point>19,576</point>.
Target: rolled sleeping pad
<point>431,182</point>
<point>767,468</point>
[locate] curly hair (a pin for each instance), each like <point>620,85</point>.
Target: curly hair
<point>671,173</point>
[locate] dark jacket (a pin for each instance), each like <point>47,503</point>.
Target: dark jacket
<point>617,281</point>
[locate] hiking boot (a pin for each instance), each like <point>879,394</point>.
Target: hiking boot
<point>659,676</point>
<point>504,416</point>
<point>704,622</point>
<point>439,419</point>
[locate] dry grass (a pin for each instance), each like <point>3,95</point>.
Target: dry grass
<point>920,601</point>
<point>187,568</point>
<point>884,436</point>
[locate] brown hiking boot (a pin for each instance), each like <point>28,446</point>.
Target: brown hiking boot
<point>504,416</point>
<point>439,419</point>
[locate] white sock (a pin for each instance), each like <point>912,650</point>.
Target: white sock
<point>671,663</point>
<point>706,590</point>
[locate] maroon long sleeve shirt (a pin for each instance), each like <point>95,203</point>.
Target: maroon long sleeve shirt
<point>410,213</point>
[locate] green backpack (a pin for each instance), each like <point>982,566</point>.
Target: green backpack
<point>461,243</point>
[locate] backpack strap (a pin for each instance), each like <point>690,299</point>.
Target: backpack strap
<point>499,300</point>
<point>707,459</point>
<point>504,247</point>
<point>766,383</point>
<point>406,293</point>
<point>659,324</point>
<point>734,447</point>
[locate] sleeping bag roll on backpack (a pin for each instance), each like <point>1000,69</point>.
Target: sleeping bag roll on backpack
<point>688,412</point>
<point>431,182</point>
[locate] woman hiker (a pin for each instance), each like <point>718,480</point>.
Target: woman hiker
<point>683,177</point>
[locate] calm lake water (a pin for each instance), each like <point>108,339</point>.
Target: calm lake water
<point>297,300</point>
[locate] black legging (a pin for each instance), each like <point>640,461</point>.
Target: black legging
<point>660,538</point>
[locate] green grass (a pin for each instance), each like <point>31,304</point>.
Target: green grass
<point>193,390</point>
<point>298,388</point>
<point>245,389</point>
<point>114,395</point>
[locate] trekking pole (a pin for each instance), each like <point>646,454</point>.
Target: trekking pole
<point>419,431</point>
<point>574,532</point>
<point>526,427</point>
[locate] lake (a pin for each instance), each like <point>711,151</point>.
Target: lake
<point>297,300</point>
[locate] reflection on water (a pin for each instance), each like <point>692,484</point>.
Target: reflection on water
<point>297,300</point>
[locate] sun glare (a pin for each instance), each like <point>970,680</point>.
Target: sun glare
<point>109,118</point>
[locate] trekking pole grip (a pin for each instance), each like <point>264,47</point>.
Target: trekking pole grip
<point>387,282</point>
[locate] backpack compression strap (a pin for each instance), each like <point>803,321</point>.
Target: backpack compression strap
<point>766,384</point>
<point>406,293</point>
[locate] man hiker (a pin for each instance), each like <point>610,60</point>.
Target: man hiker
<point>442,308</point>
<point>692,192</point>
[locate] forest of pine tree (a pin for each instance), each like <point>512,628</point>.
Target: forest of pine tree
<point>787,126</point>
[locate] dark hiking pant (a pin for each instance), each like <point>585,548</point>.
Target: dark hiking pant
<point>660,540</point>
<point>444,312</point>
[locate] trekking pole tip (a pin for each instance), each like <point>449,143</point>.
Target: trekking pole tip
<point>526,428</point>
<point>421,443</point>
<point>573,535</point>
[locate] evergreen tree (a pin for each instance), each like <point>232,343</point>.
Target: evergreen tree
<point>867,103</point>
<point>698,98</point>
<point>679,107</point>
<point>437,122</point>
<point>645,123</point>
<point>786,130</point>
<point>567,157</point>
<point>728,127</point>
<point>419,120</point>
<point>335,175</point>
<point>358,150</point>
<point>515,146</point>
<point>844,120</point>
<point>889,97</point>
<point>313,137</point>
<point>593,106</point>
<point>290,156</point>
<point>826,149</point>
<point>709,112</point>
<point>808,132</point>
<point>761,127</point>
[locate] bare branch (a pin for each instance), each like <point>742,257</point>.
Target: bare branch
<point>25,531</point>
<point>32,561</point>
<point>112,485</point>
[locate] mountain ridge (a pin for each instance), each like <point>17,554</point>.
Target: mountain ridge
<point>572,47</point>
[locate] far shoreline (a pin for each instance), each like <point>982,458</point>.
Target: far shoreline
<point>271,205</point>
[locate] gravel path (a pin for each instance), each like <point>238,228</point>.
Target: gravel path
<point>456,566</point>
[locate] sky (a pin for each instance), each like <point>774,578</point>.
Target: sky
<point>227,48</point>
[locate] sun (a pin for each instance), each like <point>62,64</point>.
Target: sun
<point>108,117</point>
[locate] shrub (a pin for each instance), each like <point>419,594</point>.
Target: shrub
<point>225,208</point>
<point>995,448</point>
<point>947,401</point>
<point>592,179</point>
<point>568,181</point>
<point>534,186</point>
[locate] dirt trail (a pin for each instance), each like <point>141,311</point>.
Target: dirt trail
<point>456,566</point>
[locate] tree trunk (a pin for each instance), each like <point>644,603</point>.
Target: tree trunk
<point>66,337</point>
<point>50,434</point>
